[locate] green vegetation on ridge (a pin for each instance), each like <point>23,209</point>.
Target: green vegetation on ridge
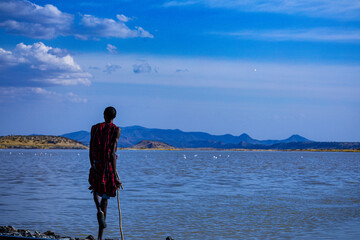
<point>39,142</point>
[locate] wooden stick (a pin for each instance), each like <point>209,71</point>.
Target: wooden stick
<point>121,230</point>
<point>118,200</point>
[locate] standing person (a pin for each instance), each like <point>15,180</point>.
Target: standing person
<point>103,176</point>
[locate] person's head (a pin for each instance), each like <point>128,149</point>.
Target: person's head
<point>109,114</point>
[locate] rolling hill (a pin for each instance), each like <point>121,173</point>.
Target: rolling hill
<point>146,144</point>
<point>39,142</point>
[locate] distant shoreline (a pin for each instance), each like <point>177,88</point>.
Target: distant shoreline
<point>243,150</point>
<point>59,142</point>
<point>192,149</point>
<point>141,137</point>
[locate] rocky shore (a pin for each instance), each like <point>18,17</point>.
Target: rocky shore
<point>20,233</point>
<point>11,231</point>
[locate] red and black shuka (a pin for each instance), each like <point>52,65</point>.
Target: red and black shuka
<point>102,178</point>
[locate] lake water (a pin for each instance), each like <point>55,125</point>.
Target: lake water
<point>188,194</point>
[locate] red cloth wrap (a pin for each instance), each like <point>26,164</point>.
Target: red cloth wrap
<point>102,178</point>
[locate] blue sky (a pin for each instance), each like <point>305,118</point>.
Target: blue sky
<point>266,68</point>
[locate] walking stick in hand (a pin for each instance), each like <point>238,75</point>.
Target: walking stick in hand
<point>118,200</point>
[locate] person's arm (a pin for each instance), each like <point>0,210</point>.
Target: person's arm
<point>113,156</point>
<point>92,164</point>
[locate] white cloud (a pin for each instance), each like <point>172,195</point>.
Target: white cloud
<point>112,48</point>
<point>142,68</point>
<point>21,17</point>
<point>91,26</point>
<point>75,98</point>
<point>110,68</point>
<point>182,70</point>
<point>94,68</point>
<point>31,93</point>
<point>317,35</point>
<point>142,33</point>
<point>31,20</point>
<point>122,18</point>
<point>39,65</point>
<point>23,91</point>
<point>41,91</point>
<point>307,81</point>
<point>317,8</point>
<point>179,3</point>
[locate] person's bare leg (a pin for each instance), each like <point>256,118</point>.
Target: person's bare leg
<point>101,230</point>
<point>97,201</point>
<point>98,207</point>
<point>103,206</point>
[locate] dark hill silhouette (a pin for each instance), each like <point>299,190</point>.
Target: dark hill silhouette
<point>315,145</point>
<point>179,139</point>
<point>295,138</point>
<point>146,144</point>
<point>80,136</point>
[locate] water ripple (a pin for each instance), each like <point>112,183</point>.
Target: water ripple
<point>188,195</point>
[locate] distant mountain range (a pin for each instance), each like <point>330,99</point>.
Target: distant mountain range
<point>133,135</point>
<point>179,139</point>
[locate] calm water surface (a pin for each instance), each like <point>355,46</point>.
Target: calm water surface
<point>188,194</point>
